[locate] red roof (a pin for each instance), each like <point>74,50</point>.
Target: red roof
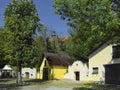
<point>65,38</point>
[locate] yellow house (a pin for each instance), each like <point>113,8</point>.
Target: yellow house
<point>54,66</point>
<point>104,64</point>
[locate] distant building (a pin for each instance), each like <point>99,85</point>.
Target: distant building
<point>65,38</point>
<point>7,72</point>
<point>29,72</point>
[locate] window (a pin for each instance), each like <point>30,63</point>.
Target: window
<point>116,51</point>
<point>76,65</point>
<point>45,62</point>
<point>95,70</point>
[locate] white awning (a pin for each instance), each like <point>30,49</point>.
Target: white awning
<point>6,67</point>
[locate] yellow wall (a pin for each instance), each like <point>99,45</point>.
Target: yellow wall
<point>57,72</point>
<point>102,56</point>
<point>38,75</point>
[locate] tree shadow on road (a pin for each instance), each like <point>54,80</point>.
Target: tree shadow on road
<point>4,80</point>
<point>82,88</point>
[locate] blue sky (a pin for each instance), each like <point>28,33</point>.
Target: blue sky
<point>46,14</point>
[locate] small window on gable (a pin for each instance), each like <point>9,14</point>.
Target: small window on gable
<point>116,51</point>
<point>45,63</point>
<point>76,65</point>
<point>95,70</point>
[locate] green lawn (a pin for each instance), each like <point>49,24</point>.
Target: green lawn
<point>60,83</point>
<point>11,82</point>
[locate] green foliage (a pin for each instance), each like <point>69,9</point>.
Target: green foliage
<point>39,48</point>
<point>21,20</point>
<point>5,47</point>
<point>92,22</point>
<point>55,44</point>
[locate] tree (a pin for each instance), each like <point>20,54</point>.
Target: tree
<point>92,22</point>
<point>40,43</point>
<point>55,44</point>
<point>5,46</point>
<point>21,20</point>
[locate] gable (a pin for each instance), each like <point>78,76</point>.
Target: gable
<point>79,65</point>
<point>98,49</point>
<point>44,63</point>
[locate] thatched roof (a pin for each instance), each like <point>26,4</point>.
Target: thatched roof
<point>58,59</point>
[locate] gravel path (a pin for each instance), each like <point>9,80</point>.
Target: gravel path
<point>44,88</point>
<point>36,87</point>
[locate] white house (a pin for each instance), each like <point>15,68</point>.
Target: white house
<point>29,72</point>
<point>77,71</point>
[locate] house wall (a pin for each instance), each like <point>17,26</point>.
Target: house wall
<point>40,72</point>
<point>102,56</point>
<point>38,75</point>
<point>99,58</point>
<point>58,72</point>
<point>32,72</point>
<point>80,67</point>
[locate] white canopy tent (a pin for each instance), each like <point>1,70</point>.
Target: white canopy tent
<point>7,71</point>
<point>7,67</point>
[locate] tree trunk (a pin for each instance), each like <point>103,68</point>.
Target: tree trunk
<point>19,78</point>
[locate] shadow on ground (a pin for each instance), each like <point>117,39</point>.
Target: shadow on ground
<point>6,83</point>
<point>82,88</point>
<point>4,80</point>
<point>33,81</point>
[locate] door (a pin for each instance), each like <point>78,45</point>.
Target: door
<point>77,76</point>
<point>45,74</point>
<point>27,74</point>
<point>112,74</point>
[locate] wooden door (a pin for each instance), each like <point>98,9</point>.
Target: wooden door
<point>77,75</point>
<point>27,74</point>
<point>45,74</point>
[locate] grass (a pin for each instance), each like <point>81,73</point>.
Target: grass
<point>60,83</point>
<point>11,82</point>
<point>7,82</point>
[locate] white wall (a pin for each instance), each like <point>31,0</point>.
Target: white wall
<point>77,66</point>
<point>32,72</point>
